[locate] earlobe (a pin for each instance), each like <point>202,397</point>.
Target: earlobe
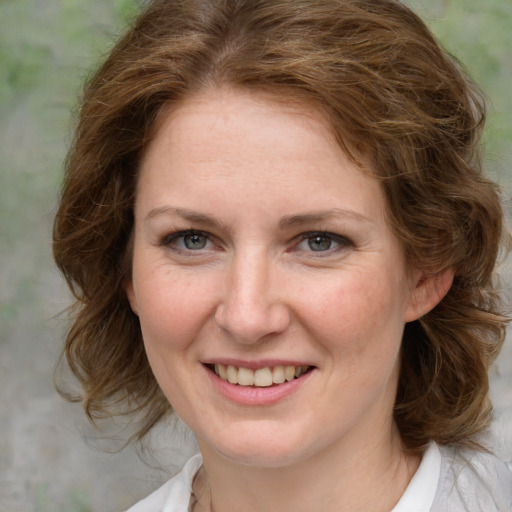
<point>130,293</point>
<point>429,291</point>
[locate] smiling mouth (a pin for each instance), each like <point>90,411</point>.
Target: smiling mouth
<point>262,377</point>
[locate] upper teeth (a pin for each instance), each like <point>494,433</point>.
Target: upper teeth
<point>262,377</point>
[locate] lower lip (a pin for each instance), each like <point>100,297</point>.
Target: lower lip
<point>251,395</point>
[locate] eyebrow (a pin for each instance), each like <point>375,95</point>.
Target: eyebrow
<point>285,223</point>
<point>190,215</point>
<point>310,218</point>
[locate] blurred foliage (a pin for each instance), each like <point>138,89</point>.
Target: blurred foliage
<point>77,501</point>
<point>480,36</point>
<point>48,47</point>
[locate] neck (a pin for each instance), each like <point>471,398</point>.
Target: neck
<point>340,479</point>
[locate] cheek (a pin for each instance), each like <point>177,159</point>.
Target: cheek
<point>172,308</point>
<point>358,313</point>
<point>172,313</point>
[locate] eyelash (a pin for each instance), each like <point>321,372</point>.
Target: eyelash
<point>171,240</point>
<point>342,242</point>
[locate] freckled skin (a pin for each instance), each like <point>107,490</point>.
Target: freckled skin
<point>258,291</point>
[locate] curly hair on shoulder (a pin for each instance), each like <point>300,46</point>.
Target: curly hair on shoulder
<point>394,99</point>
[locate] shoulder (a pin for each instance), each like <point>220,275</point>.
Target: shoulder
<point>174,495</point>
<point>473,481</point>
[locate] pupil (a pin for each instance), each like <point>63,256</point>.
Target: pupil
<point>195,241</point>
<point>320,243</point>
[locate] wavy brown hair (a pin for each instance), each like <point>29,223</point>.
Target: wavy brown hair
<point>394,98</point>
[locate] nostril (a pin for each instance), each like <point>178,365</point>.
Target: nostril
<point>251,323</point>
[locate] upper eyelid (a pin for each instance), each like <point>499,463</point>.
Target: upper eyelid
<point>167,239</point>
<point>343,242</point>
<point>329,234</point>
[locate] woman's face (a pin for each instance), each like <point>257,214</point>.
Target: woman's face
<point>271,293</point>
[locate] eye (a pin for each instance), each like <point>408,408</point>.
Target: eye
<point>322,242</point>
<point>195,241</point>
<point>189,240</point>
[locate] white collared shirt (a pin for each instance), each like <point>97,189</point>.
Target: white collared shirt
<point>447,480</point>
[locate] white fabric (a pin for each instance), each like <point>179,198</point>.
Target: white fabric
<point>421,491</point>
<point>447,480</point>
<point>472,481</point>
<point>173,496</point>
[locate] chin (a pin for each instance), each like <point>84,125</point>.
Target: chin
<point>262,458</point>
<point>270,449</point>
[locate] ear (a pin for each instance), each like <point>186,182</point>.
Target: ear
<point>130,294</point>
<point>430,289</point>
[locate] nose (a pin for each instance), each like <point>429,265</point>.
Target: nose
<point>252,307</point>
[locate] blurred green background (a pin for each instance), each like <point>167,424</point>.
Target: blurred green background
<point>47,48</point>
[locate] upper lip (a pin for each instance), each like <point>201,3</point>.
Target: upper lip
<point>255,365</point>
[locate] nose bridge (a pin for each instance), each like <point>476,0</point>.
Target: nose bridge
<point>251,306</point>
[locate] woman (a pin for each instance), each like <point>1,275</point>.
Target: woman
<point>274,221</point>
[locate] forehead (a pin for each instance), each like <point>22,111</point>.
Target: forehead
<point>224,143</point>
<point>204,117</point>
